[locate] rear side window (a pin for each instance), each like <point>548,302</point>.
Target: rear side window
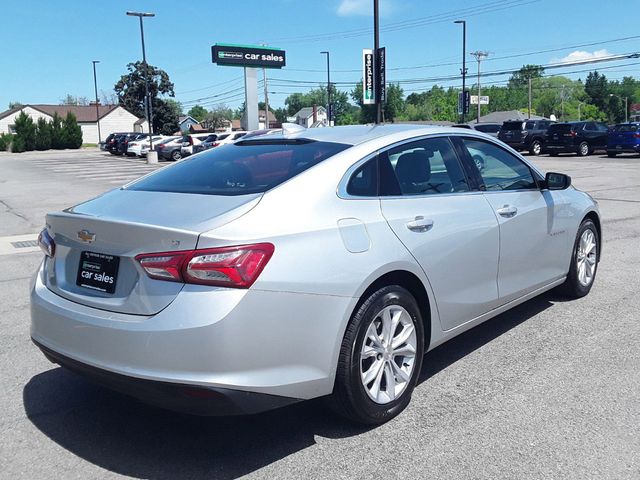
<point>625,128</point>
<point>241,168</point>
<point>512,126</point>
<point>488,128</point>
<point>364,181</point>
<point>559,128</point>
<point>530,125</point>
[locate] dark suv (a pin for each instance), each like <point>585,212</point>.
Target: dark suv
<point>581,138</point>
<point>524,134</point>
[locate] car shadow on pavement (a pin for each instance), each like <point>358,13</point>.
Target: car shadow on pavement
<point>119,434</point>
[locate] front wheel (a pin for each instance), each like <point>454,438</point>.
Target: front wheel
<point>380,357</point>
<point>535,148</point>
<point>176,155</point>
<point>583,149</point>
<point>584,261</point>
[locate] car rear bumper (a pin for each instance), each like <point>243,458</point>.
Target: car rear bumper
<point>195,400</point>
<point>275,343</point>
<point>635,148</point>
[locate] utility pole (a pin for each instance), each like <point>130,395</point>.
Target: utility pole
<point>562,103</point>
<point>529,98</point>
<point>266,99</point>
<point>95,86</point>
<point>480,55</point>
<point>464,67</point>
<point>376,47</point>
<point>328,88</point>
<point>148,107</point>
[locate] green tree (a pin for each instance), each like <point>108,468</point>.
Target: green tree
<point>165,116</point>
<point>13,105</point>
<point>74,100</point>
<point>394,106</point>
<point>57,140</point>
<point>43,134</point>
<point>71,132</point>
<point>217,117</point>
<point>25,137</point>
<point>522,76</point>
<point>131,93</point>
<point>198,112</point>
<point>597,88</point>
<point>367,112</point>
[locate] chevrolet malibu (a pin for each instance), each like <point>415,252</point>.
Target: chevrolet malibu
<point>309,263</point>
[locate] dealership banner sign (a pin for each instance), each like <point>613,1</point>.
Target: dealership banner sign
<point>247,56</point>
<point>368,77</point>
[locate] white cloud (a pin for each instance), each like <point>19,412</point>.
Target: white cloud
<point>580,55</point>
<point>348,8</point>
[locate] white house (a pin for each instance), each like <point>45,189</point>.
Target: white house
<point>112,118</point>
<point>311,117</point>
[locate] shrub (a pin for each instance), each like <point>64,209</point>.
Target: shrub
<point>43,134</point>
<point>5,141</point>
<point>17,145</point>
<point>25,133</point>
<point>57,141</point>
<point>71,132</point>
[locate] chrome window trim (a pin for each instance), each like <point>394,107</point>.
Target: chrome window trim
<point>344,181</point>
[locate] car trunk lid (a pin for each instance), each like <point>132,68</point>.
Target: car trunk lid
<point>97,242</point>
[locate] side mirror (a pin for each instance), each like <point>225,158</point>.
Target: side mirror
<point>556,181</point>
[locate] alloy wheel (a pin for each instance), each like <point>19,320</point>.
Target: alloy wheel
<point>586,257</point>
<point>388,354</point>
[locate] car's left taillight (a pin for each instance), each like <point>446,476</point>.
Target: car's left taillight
<point>237,266</point>
<point>46,243</point>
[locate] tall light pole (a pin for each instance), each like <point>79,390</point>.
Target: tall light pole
<point>376,47</point>
<point>95,86</point>
<point>328,87</point>
<point>626,109</point>
<point>148,107</point>
<point>479,57</point>
<point>464,66</point>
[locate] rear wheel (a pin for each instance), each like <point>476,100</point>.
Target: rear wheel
<point>584,261</point>
<point>535,148</point>
<point>583,149</point>
<point>176,155</point>
<point>380,357</point>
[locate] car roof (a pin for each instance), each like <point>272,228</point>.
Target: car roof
<point>355,134</point>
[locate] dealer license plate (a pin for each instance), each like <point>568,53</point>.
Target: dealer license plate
<point>98,271</point>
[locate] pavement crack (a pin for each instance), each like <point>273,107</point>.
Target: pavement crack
<point>12,211</point>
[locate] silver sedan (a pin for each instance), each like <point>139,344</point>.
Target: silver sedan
<point>309,263</point>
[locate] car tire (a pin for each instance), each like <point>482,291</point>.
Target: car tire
<point>583,149</point>
<point>554,154</point>
<point>611,154</point>
<point>366,353</point>
<point>479,162</point>
<point>176,155</point>
<point>585,257</point>
<point>535,148</point>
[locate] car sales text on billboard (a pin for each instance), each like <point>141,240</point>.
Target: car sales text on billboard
<point>247,56</point>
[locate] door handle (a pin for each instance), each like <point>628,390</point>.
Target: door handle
<point>420,224</point>
<point>507,211</point>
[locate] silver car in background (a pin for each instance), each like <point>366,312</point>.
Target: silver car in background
<point>306,263</point>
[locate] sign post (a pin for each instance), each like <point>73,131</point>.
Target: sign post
<point>368,80</point>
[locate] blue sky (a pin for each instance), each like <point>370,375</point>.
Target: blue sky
<point>48,45</point>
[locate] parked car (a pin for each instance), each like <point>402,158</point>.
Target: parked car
<point>206,144</point>
<point>190,140</point>
<point>170,149</point>
<point>111,142</point>
<point>122,141</point>
<point>229,138</point>
<point>526,135</point>
<point>623,138</point>
<point>135,147</point>
<point>325,261</point>
<point>581,138</point>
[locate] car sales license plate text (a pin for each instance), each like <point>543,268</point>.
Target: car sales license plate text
<point>98,271</point>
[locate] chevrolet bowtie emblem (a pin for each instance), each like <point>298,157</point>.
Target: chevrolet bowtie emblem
<point>86,236</point>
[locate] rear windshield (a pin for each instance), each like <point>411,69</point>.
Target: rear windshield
<point>512,126</point>
<point>625,128</point>
<point>560,128</point>
<point>488,128</point>
<point>241,168</point>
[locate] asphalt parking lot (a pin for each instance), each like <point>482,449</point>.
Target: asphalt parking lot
<point>549,390</point>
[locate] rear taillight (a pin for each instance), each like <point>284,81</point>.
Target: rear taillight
<point>46,243</point>
<point>215,144</point>
<point>237,266</point>
<point>636,135</point>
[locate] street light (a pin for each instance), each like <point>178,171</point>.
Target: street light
<point>626,110</point>
<point>464,65</point>
<point>328,87</point>
<point>95,86</point>
<point>148,107</point>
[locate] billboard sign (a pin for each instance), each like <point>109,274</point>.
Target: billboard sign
<point>247,56</point>
<point>381,80</point>
<point>368,77</point>
<point>484,100</point>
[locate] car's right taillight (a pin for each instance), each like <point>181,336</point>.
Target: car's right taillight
<point>237,266</point>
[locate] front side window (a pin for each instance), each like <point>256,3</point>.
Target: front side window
<point>500,169</point>
<point>424,167</point>
<point>240,168</point>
